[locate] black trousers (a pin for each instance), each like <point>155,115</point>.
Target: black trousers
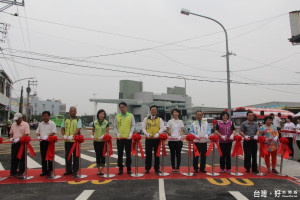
<point>225,160</point>
<point>151,145</point>
<point>121,145</point>
<point>72,165</point>
<point>250,151</point>
<point>100,159</point>
<point>8,130</point>
<point>202,148</point>
<point>175,149</point>
<point>46,164</point>
<point>290,144</point>
<point>15,162</point>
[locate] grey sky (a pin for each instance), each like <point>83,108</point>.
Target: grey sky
<point>258,32</point>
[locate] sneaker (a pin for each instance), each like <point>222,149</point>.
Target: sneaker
<point>174,171</point>
<point>222,171</point>
<point>248,170</point>
<point>228,171</point>
<point>255,172</point>
<point>75,176</point>
<point>157,172</point>
<point>203,171</point>
<point>268,170</point>
<point>274,171</point>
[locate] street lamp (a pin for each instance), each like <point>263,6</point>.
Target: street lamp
<point>184,91</point>
<point>187,12</point>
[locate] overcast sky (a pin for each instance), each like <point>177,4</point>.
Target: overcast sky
<point>144,37</point>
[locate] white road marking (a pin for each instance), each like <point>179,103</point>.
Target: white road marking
<point>85,194</point>
<point>89,158</point>
<point>162,194</point>
<point>238,195</point>
<point>1,167</point>
<point>32,164</point>
<point>60,160</point>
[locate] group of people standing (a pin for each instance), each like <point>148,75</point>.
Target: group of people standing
<point>152,127</point>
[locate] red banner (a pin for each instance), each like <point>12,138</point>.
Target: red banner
<point>78,139</point>
<point>1,140</point>
<point>107,139</point>
<point>262,147</point>
<point>162,137</point>
<point>214,139</point>
<point>190,138</point>
<point>136,138</point>
<point>237,149</point>
<point>25,140</point>
<point>286,151</point>
<point>51,148</point>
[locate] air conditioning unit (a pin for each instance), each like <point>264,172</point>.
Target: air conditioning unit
<point>295,27</point>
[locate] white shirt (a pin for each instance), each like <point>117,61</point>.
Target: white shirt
<point>298,132</point>
<point>46,128</point>
<point>290,127</point>
<point>276,122</point>
<point>175,127</point>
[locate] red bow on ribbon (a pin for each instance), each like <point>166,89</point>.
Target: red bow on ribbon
<point>162,137</point>
<point>136,138</point>
<point>190,138</point>
<point>1,140</point>
<point>237,149</point>
<point>51,148</point>
<point>262,147</point>
<point>286,151</point>
<point>214,139</point>
<point>107,139</point>
<point>78,139</point>
<point>25,140</point>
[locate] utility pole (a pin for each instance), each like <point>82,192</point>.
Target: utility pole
<point>28,90</point>
<point>21,102</point>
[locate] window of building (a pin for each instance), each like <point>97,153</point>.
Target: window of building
<point>52,106</point>
<point>7,90</point>
<point>2,85</point>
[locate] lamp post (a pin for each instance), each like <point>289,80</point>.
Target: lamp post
<point>187,12</point>
<point>184,91</point>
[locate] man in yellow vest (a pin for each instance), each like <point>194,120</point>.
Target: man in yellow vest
<point>69,128</point>
<point>124,125</point>
<point>152,127</point>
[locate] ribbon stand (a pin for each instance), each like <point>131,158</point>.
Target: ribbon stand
<point>107,175</point>
<point>136,174</point>
<point>213,164</point>
<point>163,173</point>
<point>237,173</point>
<point>189,164</point>
<point>259,165</point>
<point>80,175</point>
<point>26,177</point>
<point>281,163</point>
<point>53,169</point>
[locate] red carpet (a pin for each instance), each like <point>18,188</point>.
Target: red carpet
<point>91,175</point>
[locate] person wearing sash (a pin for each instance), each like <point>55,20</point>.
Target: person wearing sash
<point>69,128</point>
<point>45,128</point>
<point>152,127</point>
<point>175,131</point>
<point>271,134</point>
<point>202,131</point>
<point>226,131</point>
<point>124,125</point>
<point>100,128</point>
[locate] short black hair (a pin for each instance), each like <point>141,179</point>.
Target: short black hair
<point>290,117</point>
<point>198,111</point>
<point>224,113</point>
<point>175,110</point>
<point>249,112</point>
<point>100,111</point>
<point>298,118</point>
<point>268,117</point>
<point>153,106</point>
<point>272,114</point>
<point>46,112</point>
<point>123,103</point>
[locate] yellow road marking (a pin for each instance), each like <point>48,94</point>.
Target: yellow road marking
<point>223,183</point>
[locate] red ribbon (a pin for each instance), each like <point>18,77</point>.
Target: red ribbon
<point>262,147</point>
<point>78,139</point>
<point>286,151</point>
<point>1,140</point>
<point>214,139</point>
<point>107,138</point>
<point>25,140</point>
<point>162,137</point>
<point>51,148</point>
<point>190,138</point>
<point>136,138</point>
<point>237,149</point>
